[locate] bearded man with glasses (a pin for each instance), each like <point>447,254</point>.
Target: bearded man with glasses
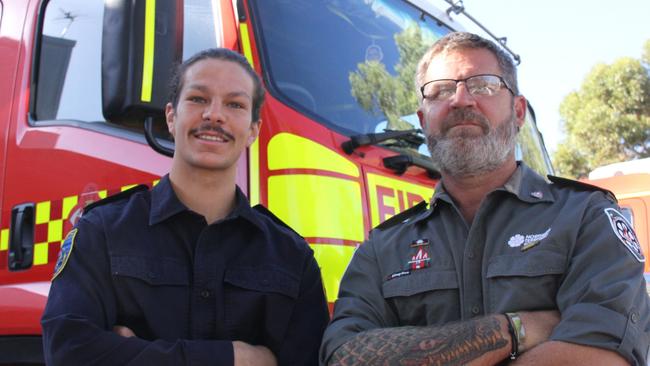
<point>503,266</point>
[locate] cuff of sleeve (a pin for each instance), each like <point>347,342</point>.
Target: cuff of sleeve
<point>210,352</point>
<point>597,326</point>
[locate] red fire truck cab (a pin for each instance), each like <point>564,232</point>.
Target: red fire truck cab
<point>339,149</point>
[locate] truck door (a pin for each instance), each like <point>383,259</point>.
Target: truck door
<point>58,149</point>
<point>339,150</point>
<point>6,58</point>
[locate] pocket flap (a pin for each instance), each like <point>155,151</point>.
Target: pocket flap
<point>420,281</point>
<point>532,264</point>
<point>264,280</point>
<point>155,271</point>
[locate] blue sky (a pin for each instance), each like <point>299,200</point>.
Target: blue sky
<point>560,41</point>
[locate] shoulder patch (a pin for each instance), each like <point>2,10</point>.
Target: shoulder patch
<point>582,186</point>
<point>64,254</point>
<point>266,212</point>
<point>116,197</point>
<point>625,233</point>
<point>403,216</point>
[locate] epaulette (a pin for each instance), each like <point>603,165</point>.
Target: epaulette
<point>266,212</point>
<point>581,186</point>
<point>116,197</point>
<point>403,216</point>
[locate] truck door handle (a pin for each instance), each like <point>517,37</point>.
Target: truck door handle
<point>21,237</point>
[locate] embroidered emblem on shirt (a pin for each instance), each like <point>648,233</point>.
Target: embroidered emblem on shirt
<point>419,243</point>
<point>527,241</point>
<point>537,194</point>
<point>64,254</point>
<point>625,233</point>
<point>420,260</point>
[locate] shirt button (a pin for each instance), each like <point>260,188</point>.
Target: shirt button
<point>470,255</point>
<point>205,294</point>
<point>476,310</point>
<point>265,282</point>
<point>634,317</point>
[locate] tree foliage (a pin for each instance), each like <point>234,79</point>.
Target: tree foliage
<point>608,119</point>
<point>379,92</point>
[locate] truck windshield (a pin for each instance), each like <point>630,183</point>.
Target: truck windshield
<point>350,64</point>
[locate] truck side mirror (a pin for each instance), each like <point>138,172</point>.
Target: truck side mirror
<point>142,42</point>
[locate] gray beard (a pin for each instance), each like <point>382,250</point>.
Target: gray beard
<point>467,155</point>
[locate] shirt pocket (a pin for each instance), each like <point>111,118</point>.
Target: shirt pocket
<point>526,281</point>
<point>424,297</point>
<point>151,271</point>
<point>149,289</point>
<point>259,303</point>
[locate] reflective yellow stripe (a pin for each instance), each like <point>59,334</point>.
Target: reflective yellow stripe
<point>127,187</point>
<point>42,212</point>
<point>148,54</point>
<point>253,150</point>
<point>68,204</point>
<point>102,194</point>
<point>288,151</point>
<point>54,231</point>
<point>318,206</point>
<point>332,260</point>
<point>246,42</point>
<point>40,253</point>
<point>4,239</point>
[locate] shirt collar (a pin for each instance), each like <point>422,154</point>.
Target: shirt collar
<point>244,210</point>
<point>438,194</point>
<point>524,183</point>
<point>528,186</point>
<point>165,204</point>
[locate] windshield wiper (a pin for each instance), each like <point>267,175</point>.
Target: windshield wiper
<point>412,137</point>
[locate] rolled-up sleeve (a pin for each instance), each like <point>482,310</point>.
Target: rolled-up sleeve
<point>360,305</point>
<point>602,297</point>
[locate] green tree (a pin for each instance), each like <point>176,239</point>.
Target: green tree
<point>379,92</point>
<point>608,119</point>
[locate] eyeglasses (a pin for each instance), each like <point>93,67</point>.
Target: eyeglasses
<point>477,85</point>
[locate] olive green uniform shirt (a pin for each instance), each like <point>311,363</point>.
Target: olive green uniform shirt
<point>533,245</point>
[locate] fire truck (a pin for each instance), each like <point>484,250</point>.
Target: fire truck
<point>84,84</point>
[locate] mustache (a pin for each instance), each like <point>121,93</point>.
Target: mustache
<point>208,126</point>
<point>459,116</point>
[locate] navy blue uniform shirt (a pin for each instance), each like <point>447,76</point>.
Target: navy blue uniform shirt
<point>187,289</point>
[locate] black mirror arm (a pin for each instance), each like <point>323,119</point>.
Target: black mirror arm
<point>400,163</point>
<point>152,141</point>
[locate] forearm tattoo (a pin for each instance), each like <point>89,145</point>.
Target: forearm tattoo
<point>453,344</point>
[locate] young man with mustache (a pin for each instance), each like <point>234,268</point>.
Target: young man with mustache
<point>187,272</point>
<point>504,266</point>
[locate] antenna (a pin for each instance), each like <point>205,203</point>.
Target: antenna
<point>70,17</point>
<point>457,7</point>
